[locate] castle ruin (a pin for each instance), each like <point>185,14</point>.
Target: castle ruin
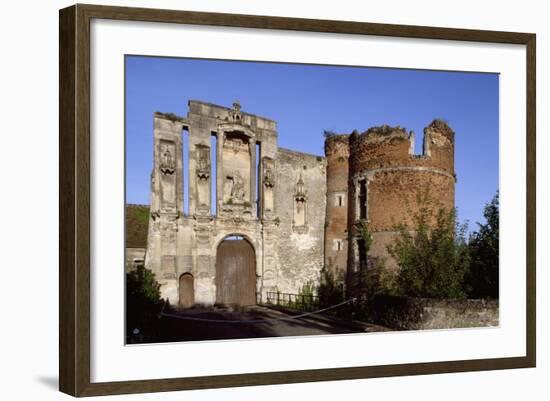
<point>262,218</point>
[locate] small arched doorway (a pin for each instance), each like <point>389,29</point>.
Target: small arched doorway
<point>235,272</point>
<point>186,291</point>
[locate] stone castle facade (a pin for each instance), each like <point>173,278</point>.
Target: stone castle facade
<point>292,213</point>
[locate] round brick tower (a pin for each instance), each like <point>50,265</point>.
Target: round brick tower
<point>336,236</point>
<point>386,179</point>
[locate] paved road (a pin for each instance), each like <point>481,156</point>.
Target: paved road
<point>266,322</point>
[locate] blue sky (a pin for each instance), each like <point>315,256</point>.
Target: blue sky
<point>305,100</point>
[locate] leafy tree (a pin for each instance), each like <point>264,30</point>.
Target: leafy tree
<point>377,279</point>
<point>432,255</point>
<point>143,302</point>
<point>482,280</point>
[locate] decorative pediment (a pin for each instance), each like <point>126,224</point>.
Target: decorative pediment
<point>235,130</point>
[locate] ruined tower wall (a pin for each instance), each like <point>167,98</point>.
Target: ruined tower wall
<point>300,209</point>
<point>336,241</point>
<point>387,178</point>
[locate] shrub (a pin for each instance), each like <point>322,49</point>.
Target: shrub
<point>143,303</point>
<point>483,277</point>
<point>330,290</point>
<point>433,257</point>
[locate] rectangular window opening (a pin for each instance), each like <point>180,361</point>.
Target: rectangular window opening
<point>363,199</point>
<point>213,174</point>
<point>258,179</point>
<point>185,168</point>
<point>362,253</point>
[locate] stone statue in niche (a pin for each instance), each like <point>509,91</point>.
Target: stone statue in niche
<point>167,159</point>
<point>269,180</point>
<point>300,205</point>
<point>237,187</point>
<point>300,191</point>
<point>203,163</point>
<point>300,199</point>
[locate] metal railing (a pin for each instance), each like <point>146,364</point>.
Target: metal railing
<point>305,302</point>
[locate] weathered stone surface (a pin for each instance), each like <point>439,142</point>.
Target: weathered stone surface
<point>257,202</point>
<point>301,184</point>
<point>298,211</point>
<point>403,313</point>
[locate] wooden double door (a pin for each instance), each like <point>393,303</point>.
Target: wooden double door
<point>235,273</point>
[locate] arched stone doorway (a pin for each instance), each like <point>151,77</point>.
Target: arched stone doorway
<point>235,272</point>
<point>186,290</point>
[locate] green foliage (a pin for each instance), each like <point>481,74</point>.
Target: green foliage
<point>377,279</point>
<point>143,302</point>
<point>141,214</point>
<point>373,278</point>
<point>308,289</point>
<point>330,290</point>
<point>363,231</point>
<point>482,280</point>
<point>433,257</point>
<point>306,295</point>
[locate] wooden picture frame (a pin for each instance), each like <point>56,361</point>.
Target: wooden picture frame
<point>75,207</point>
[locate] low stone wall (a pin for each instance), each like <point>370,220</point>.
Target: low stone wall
<point>404,313</point>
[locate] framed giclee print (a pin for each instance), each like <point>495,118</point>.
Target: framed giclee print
<point>251,200</point>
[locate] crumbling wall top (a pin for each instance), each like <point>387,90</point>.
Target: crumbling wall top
<point>225,113</point>
<point>442,127</point>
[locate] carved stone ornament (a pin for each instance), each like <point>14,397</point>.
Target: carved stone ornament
<point>203,163</point>
<point>300,194</point>
<point>168,231</point>
<point>167,159</point>
<point>237,187</point>
<point>269,179</point>
<point>236,144</point>
<point>235,113</point>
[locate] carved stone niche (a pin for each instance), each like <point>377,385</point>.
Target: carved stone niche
<point>167,157</point>
<point>299,223</point>
<point>269,173</point>
<point>167,165</point>
<point>236,168</point>
<point>202,171</point>
<point>203,162</point>
<point>268,181</point>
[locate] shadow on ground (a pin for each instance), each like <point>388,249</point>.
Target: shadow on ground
<point>253,322</point>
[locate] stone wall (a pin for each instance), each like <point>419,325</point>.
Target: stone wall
<point>301,184</point>
<point>404,313</point>
<point>274,198</point>
<point>134,257</point>
<point>298,211</point>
